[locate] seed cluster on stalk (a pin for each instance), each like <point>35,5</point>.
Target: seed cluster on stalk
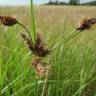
<point>38,50</point>
<point>86,23</point>
<point>8,20</point>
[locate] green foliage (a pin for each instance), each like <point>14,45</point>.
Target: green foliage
<point>33,32</point>
<point>74,2</point>
<point>90,3</point>
<point>72,65</point>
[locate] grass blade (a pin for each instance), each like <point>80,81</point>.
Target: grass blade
<point>33,35</point>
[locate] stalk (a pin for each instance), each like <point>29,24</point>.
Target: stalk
<point>26,30</point>
<point>65,39</point>
<point>33,22</point>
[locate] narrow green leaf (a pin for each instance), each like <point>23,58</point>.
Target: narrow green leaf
<point>33,33</point>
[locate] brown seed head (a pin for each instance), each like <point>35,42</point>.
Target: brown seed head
<point>86,23</point>
<point>39,48</point>
<point>7,20</point>
<point>27,41</point>
<point>38,65</point>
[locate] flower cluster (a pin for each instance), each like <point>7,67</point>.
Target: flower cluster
<point>37,63</point>
<point>86,23</point>
<point>8,20</point>
<point>37,49</point>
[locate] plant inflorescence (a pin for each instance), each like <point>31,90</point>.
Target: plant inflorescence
<point>34,40</point>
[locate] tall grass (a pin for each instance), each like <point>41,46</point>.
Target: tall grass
<point>72,71</point>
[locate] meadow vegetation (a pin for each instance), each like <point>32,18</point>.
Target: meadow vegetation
<point>72,66</point>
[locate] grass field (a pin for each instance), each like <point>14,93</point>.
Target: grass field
<point>72,65</point>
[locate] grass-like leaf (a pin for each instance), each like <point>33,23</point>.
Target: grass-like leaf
<point>33,32</point>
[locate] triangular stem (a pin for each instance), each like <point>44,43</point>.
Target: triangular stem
<point>65,39</point>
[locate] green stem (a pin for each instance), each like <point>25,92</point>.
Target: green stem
<point>26,30</point>
<point>65,39</point>
<point>36,89</point>
<point>33,21</point>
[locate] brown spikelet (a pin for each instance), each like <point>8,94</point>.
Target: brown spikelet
<point>86,23</point>
<point>37,63</point>
<point>39,47</point>
<point>28,41</point>
<point>7,20</point>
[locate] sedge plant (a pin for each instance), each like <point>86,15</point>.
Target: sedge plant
<point>35,43</point>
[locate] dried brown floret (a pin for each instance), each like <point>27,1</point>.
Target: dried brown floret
<point>8,20</point>
<point>28,41</point>
<point>86,23</point>
<point>40,67</point>
<point>37,63</point>
<point>38,49</point>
